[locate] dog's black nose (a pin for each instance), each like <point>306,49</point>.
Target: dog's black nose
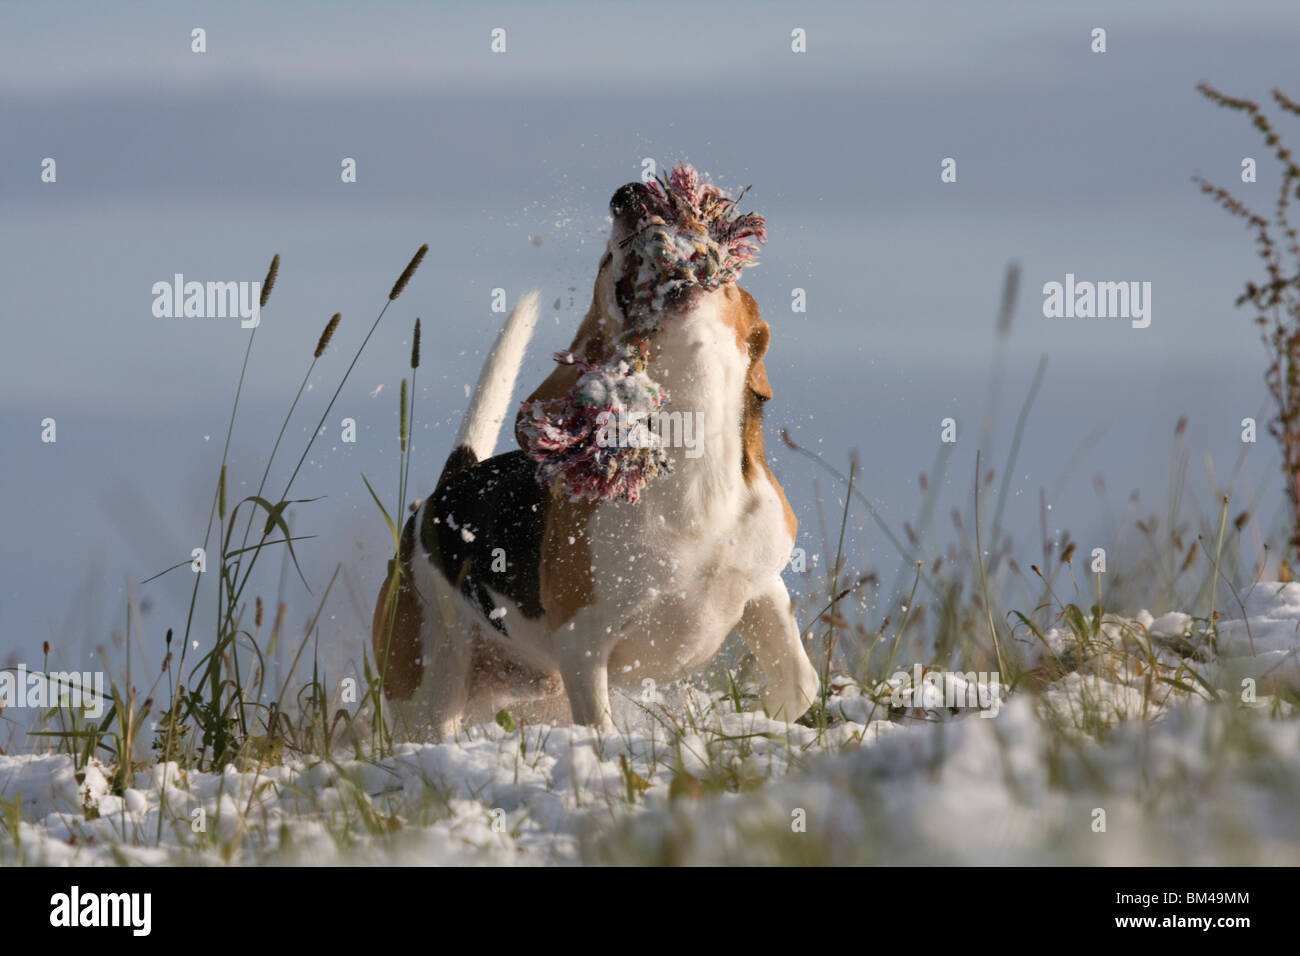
<point>627,199</point>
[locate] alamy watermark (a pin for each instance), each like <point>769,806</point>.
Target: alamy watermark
<point>208,300</point>
<point>1100,300</point>
<point>652,430</point>
<point>132,911</point>
<point>932,689</point>
<point>81,690</point>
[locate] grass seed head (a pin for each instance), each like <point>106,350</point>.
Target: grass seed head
<point>269,282</point>
<point>409,271</point>
<point>327,334</point>
<point>402,433</point>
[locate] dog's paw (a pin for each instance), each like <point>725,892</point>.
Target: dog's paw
<point>794,700</point>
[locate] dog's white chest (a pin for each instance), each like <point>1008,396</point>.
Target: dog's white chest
<point>670,594</point>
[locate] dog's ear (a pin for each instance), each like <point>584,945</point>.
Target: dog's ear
<point>759,336</point>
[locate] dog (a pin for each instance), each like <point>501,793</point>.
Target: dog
<point>510,594</point>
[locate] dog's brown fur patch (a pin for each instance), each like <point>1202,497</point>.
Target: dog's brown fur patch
<point>567,584</point>
<point>752,338</point>
<point>399,660</point>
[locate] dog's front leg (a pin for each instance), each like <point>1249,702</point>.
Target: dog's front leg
<point>769,629</point>
<point>583,653</point>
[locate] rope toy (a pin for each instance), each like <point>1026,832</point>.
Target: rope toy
<point>685,235</point>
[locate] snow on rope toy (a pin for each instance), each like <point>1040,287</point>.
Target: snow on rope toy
<point>685,235</point>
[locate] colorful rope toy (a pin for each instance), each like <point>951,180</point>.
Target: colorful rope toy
<point>684,235</point>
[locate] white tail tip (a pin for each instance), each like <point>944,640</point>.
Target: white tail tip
<point>496,382</point>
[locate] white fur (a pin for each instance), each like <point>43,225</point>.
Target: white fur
<point>491,399</point>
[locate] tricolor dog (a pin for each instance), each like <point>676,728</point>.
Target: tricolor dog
<point>538,578</point>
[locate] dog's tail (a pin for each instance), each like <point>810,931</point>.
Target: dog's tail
<point>490,402</point>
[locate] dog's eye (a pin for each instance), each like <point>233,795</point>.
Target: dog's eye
<point>609,257</point>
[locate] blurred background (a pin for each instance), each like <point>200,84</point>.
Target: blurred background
<point>169,161</point>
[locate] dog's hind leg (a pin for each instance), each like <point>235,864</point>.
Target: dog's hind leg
<point>448,658</point>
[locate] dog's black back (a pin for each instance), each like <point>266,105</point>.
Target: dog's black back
<point>483,528</point>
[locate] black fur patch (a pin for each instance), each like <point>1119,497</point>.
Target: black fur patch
<point>478,509</point>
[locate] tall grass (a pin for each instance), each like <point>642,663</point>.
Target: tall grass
<point>221,709</point>
<point>1275,300</point>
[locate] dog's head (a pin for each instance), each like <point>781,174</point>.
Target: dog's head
<point>668,274</point>
<point>624,272</point>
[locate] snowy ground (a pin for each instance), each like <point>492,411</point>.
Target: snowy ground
<point>1118,757</point>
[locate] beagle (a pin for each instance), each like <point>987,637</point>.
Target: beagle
<point>512,595</point>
